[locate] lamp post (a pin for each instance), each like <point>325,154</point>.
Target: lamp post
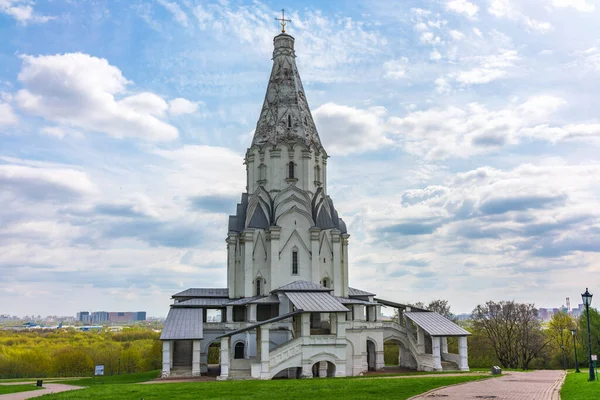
<point>587,300</point>
<point>574,334</point>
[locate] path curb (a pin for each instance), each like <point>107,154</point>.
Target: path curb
<point>416,397</point>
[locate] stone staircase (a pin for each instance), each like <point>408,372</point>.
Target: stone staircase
<point>239,374</point>
<point>449,366</point>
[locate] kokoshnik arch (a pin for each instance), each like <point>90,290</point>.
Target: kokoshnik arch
<point>287,309</point>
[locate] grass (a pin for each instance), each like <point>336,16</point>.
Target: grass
<point>293,389</point>
<point>5,389</point>
<point>577,387</point>
<point>114,379</point>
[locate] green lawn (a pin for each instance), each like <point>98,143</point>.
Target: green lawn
<point>114,379</point>
<point>298,389</point>
<point>5,389</point>
<point>577,387</point>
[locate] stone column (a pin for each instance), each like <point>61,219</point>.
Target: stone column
<point>379,355</point>
<point>252,312</point>
<point>306,370</point>
<point>264,351</point>
<point>250,176</point>
<point>248,261</point>
<point>224,358</point>
<point>444,345</point>
<point>166,364</point>
<point>322,369</point>
<point>314,249</point>
<point>337,263</point>
<point>420,339</point>
<point>345,263</point>
<point>463,353</point>
<point>274,282</point>
<point>196,357</point>
<point>305,329</point>
<point>435,350</point>
<point>333,323</point>
<point>231,264</point>
<point>377,312</point>
<point>341,325</point>
<point>229,313</point>
<point>359,312</point>
<point>306,183</point>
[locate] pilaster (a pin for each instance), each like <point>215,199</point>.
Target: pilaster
<point>248,262</point>
<point>337,265</point>
<point>274,235</point>
<point>314,248</point>
<point>345,264</point>
<point>341,325</point>
<point>305,328</point>
<point>252,312</point>
<point>231,244</point>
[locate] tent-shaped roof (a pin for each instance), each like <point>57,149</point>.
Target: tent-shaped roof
<point>435,324</point>
<point>183,323</point>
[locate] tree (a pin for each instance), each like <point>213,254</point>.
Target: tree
<point>514,330</point>
<point>559,332</point>
<point>595,332</point>
<point>441,307</point>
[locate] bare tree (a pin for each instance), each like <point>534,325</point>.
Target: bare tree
<point>514,330</point>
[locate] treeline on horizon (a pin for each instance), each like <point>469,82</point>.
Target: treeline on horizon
<point>69,352</point>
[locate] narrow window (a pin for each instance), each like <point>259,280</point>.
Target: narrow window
<point>294,263</point>
<point>258,287</point>
<point>239,350</point>
<point>289,121</point>
<point>317,173</point>
<point>291,170</point>
<point>326,283</point>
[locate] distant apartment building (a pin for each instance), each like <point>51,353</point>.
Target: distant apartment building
<point>99,317</point>
<point>83,316</point>
<point>544,314</point>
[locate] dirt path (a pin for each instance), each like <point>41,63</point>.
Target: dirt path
<point>536,385</point>
<point>47,389</point>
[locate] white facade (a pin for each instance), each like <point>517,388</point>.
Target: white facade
<point>288,308</point>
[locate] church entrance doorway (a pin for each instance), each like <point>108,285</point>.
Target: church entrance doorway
<point>239,350</point>
<point>323,369</point>
<point>214,359</point>
<point>371,355</point>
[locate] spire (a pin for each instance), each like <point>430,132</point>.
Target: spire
<point>285,114</point>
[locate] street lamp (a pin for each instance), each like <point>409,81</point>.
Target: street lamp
<point>587,300</point>
<point>574,333</point>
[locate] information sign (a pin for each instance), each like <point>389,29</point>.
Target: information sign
<point>594,357</point>
<point>99,370</point>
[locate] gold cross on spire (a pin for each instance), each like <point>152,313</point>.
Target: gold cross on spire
<point>283,20</point>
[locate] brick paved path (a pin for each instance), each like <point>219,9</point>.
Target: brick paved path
<point>47,389</point>
<point>536,385</point>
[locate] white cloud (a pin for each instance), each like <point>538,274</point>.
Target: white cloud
<point>456,35</point>
<point>7,115</point>
<point>346,130</point>
<point>579,5</point>
<point>462,7</point>
<point>396,69</point>
<point>78,90</point>
<point>435,55</point>
<point>174,8</point>
<point>506,9</point>
<point>180,106</point>
<point>22,11</point>
<point>489,68</point>
<point>440,133</point>
<point>430,38</point>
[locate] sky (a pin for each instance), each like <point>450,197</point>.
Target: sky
<point>463,139</point>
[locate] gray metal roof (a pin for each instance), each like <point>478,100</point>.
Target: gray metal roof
<point>346,300</point>
<point>399,305</point>
<point>200,302</point>
<point>242,301</point>
<point>203,292</point>
<point>303,286</point>
<point>315,302</point>
<point>435,324</point>
<point>272,299</point>
<point>183,323</point>
<point>358,292</point>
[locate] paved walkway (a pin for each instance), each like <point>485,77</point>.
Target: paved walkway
<point>536,385</point>
<point>47,389</point>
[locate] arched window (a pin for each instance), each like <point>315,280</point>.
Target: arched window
<point>291,170</point>
<point>239,350</point>
<point>258,288</point>
<point>289,121</point>
<point>317,173</point>
<point>295,262</point>
<point>326,282</point>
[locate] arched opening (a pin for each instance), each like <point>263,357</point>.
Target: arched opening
<point>258,286</point>
<point>397,358</point>
<point>371,355</point>
<point>294,262</point>
<point>291,170</point>
<point>214,359</point>
<point>238,352</point>
<point>323,369</point>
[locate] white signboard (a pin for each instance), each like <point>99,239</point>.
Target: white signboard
<point>594,357</point>
<point>99,370</point>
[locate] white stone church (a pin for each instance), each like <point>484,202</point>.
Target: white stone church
<point>287,310</point>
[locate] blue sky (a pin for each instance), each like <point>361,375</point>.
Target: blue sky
<point>464,140</point>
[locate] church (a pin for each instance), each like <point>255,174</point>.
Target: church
<point>287,310</point>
